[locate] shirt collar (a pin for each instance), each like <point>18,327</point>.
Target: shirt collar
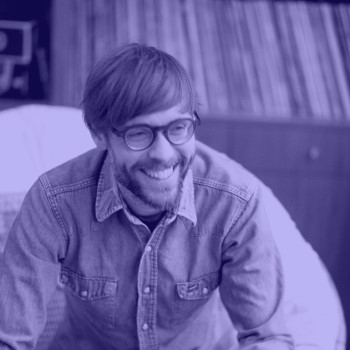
<point>186,206</point>
<point>108,199</point>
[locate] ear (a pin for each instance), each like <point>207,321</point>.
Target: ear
<point>100,141</point>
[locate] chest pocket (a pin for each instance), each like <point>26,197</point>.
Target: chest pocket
<point>92,299</point>
<point>191,296</point>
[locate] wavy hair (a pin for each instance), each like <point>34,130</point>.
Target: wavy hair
<point>135,79</point>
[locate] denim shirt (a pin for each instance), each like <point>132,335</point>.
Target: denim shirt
<point>208,277</point>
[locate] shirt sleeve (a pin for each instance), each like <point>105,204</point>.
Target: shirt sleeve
<point>252,283</point>
<point>29,269</point>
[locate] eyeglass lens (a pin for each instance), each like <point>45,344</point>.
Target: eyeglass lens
<point>177,132</point>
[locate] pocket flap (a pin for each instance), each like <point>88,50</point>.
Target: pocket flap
<point>88,288</point>
<point>198,288</point>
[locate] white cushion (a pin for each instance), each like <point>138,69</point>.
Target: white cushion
<point>36,138</point>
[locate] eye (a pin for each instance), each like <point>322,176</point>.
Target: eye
<point>138,133</point>
<point>179,127</point>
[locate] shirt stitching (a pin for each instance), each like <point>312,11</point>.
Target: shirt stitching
<point>55,210</point>
<point>223,187</point>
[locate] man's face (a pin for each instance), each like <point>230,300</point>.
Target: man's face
<point>154,175</point>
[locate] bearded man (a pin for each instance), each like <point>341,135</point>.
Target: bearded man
<point>160,241</point>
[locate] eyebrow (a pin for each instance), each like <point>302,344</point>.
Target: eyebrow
<point>148,125</point>
<point>180,116</point>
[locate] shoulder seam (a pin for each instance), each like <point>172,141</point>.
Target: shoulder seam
<point>52,191</point>
<point>223,187</point>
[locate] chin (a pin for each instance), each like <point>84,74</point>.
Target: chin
<point>165,201</point>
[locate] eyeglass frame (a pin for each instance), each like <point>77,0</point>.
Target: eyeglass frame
<point>155,129</point>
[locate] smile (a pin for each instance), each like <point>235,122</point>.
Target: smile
<point>163,174</point>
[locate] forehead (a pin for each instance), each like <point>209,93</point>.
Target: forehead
<point>158,118</point>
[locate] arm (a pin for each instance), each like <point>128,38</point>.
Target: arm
<point>29,269</point>
<point>252,281</point>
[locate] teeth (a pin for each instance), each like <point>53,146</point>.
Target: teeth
<point>160,175</point>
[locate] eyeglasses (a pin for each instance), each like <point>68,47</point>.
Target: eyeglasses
<point>139,137</point>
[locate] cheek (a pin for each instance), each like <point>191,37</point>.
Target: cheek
<point>122,158</point>
<point>188,149</point>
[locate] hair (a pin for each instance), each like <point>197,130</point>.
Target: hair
<point>135,79</point>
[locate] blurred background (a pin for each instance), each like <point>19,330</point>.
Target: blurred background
<point>273,79</point>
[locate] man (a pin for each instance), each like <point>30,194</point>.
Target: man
<point>161,242</point>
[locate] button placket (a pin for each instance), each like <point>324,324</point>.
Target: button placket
<point>147,282</point>
<point>144,310</point>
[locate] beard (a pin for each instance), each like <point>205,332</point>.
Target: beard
<point>159,196</point>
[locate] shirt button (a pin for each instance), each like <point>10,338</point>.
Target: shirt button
<point>146,290</point>
<point>145,326</point>
<point>64,278</point>
<point>84,293</point>
<point>148,249</point>
<point>205,290</point>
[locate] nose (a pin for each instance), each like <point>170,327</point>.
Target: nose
<point>161,148</point>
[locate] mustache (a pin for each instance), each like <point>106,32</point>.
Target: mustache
<point>157,165</point>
